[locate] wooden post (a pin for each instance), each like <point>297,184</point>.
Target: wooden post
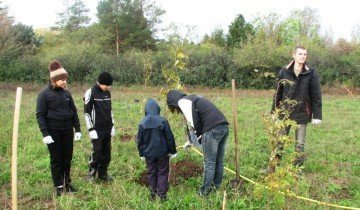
<point>14,149</point>
<point>224,201</point>
<point>234,108</point>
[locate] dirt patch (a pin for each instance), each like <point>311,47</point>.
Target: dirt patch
<point>179,172</point>
<point>126,137</point>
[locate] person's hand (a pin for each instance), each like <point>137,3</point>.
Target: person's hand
<point>77,136</point>
<point>315,121</point>
<point>48,140</point>
<point>187,145</point>
<point>113,131</point>
<point>142,158</point>
<point>173,155</point>
<point>93,134</point>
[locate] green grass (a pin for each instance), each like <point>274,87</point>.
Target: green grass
<point>331,173</point>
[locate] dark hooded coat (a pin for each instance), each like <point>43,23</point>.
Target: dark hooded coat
<point>155,138</point>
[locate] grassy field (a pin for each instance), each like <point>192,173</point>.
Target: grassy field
<point>331,173</point>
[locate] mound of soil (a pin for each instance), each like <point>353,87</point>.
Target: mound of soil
<point>179,172</point>
<point>126,137</point>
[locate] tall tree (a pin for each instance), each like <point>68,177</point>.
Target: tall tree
<point>133,22</point>
<point>74,16</point>
<point>239,32</point>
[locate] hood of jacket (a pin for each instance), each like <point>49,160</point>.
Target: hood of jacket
<point>151,107</point>
<point>173,97</point>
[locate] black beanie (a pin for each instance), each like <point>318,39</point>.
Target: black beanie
<point>105,78</point>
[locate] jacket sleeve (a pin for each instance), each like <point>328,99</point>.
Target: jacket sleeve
<point>89,110</point>
<point>75,118</point>
<point>315,94</point>
<point>112,113</point>
<point>41,113</point>
<point>169,138</point>
<point>278,94</point>
<point>188,109</point>
<point>140,141</point>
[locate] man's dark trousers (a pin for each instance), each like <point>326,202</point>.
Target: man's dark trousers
<point>101,155</point>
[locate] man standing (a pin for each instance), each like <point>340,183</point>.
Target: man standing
<point>100,124</point>
<point>304,89</point>
<point>211,126</point>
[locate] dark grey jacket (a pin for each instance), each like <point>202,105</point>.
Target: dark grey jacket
<point>305,91</point>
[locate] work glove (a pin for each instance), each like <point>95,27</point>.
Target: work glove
<point>315,121</point>
<point>113,131</point>
<point>142,158</point>
<point>48,140</point>
<point>173,155</point>
<point>77,136</point>
<point>187,145</point>
<point>93,134</point>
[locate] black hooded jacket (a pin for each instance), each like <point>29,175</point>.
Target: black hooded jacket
<point>155,138</point>
<point>55,110</point>
<point>205,115</point>
<point>305,91</point>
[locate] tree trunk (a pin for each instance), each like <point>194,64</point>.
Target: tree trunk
<point>117,40</point>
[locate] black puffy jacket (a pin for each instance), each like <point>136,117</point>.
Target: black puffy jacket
<point>56,110</point>
<point>305,91</point>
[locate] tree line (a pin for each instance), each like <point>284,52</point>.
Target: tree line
<point>124,42</point>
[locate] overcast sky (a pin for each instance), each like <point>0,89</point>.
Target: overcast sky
<point>337,17</point>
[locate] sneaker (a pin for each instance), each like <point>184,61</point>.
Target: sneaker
<point>59,190</point>
<point>202,194</point>
<point>106,178</point>
<point>69,188</point>
<point>163,197</point>
<point>90,177</point>
<point>152,196</point>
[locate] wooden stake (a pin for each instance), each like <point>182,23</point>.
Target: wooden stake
<point>224,201</point>
<point>234,108</point>
<point>14,148</point>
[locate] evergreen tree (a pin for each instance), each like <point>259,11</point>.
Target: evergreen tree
<point>74,17</point>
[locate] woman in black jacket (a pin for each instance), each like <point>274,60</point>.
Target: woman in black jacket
<point>57,117</point>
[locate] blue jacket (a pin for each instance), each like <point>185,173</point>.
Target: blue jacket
<point>155,138</point>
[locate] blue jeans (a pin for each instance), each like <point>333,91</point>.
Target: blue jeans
<point>213,145</point>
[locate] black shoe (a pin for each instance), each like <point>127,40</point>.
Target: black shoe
<point>106,178</point>
<point>152,196</point>
<point>163,197</point>
<point>90,177</point>
<point>69,188</point>
<point>59,190</point>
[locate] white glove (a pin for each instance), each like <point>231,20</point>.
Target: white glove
<point>93,134</point>
<point>48,140</point>
<point>173,155</point>
<point>187,145</point>
<point>142,158</point>
<point>315,121</point>
<point>77,136</point>
<point>112,131</point>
